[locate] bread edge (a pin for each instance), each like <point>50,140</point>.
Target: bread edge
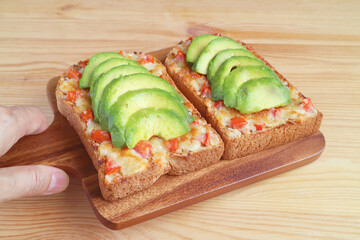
<point>79,126</point>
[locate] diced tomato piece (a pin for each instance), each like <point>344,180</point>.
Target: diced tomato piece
<point>217,34</point>
<point>180,56</point>
<point>112,170</point>
<point>219,104</point>
<point>238,122</point>
<point>122,53</point>
<point>196,121</point>
<point>172,144</point>
<point>87,115</point>
<point>111,166</point>
<point>205,140</point>
<point>146,59</point>
<point>144,148</point>
<point>84,63</point>
<point>259,126</point>
<point>275,112</point>
<point>307,104</point>
<point>205,89</point>
<point>248,48</point>
<point>74,74</point>
<point>73,95</point>
<point>100,135</point>
<point>190,39</point>
<point>150,59</point>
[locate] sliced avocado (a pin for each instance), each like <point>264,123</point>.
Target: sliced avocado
<point>149,122</point>
<point>197,45</point>
<point>261,93</point>
<point>217,92</point>
<point>240,75</point>
<point>214,47</point>
<point>106,78</point>
<point>128,83</point>
<point>94,61</point>
<point>106,66</point>
<point>133,101</point>
<point>222,57</point>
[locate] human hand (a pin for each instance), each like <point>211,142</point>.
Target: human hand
<point>19,181</point>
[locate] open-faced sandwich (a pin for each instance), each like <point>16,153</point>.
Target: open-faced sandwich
<point>134,123</point>
<point>245,99</point>
<point>137,126</point>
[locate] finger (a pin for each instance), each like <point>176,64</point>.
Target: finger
<point>17,121</point>
<point>30,119</point>
<point>36,180</point>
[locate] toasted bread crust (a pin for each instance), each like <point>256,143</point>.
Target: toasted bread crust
<point>195,161</point>
<point>79,126</point>
<point>236,147</point>
<point>180,164</point>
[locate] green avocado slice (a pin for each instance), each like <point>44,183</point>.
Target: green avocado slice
<point>222,57</point>
<point>94,61</point>
<point>214,47</point>
<point>106,66</point>
<point>240,75</point>
<point>149,122</point>
<point>197,45</point>
<point>121,85</point>
<point>217,92</point>
<point>261,93</point>
<point>106,78</point>
<point>133,101</point>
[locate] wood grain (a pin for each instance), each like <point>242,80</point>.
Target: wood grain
<point>171,193</point>
<point>315,44</point>
<point>60,146</point>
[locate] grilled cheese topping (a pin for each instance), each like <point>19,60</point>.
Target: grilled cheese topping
<point>125,162</point>
<point>300,108</point>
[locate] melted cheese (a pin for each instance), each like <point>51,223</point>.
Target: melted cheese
<point>68,85</point>
<point>160,153</point>
<point>91,125</point>
<point>130,163</point>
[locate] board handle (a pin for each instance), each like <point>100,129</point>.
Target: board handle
<point>52,147</point>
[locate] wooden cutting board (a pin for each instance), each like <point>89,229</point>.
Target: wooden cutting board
<point>60,146</point>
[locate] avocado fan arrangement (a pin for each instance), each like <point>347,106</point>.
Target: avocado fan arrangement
<point>131,103</point>
<point>236,75</point>
<point>134,105</point>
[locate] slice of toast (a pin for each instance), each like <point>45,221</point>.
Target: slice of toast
<point>264,129</point>
<point>199,148</point>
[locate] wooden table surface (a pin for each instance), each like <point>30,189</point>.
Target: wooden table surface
<point>315,44</point>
